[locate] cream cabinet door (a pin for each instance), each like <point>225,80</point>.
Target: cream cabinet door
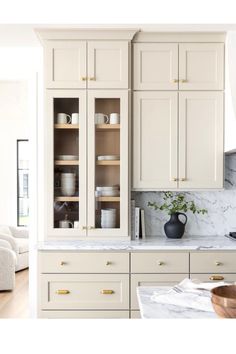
<point>155,124</point>
<point>108,63</point>
<point>155,66</point>
<point>201,66</point>
<point>65,64</point>
<point>201,148</point>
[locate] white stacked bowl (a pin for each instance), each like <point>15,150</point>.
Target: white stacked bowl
<point>108,218</point>
<point>68,184</point>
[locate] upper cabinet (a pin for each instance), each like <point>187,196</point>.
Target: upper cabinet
<point>184,66</point>
<point>155,66</point>
<point>87,64</point>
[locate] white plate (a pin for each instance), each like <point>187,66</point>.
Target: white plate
<point>108,157</point>
<point>67,157</point>
<point>115,193</point>
<point>112,188</point>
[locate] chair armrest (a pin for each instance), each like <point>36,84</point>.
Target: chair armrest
<point>19,232</point>
<point>10,239</point>
<point>5,244</point>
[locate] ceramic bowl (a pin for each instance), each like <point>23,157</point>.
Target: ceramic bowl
<point>224,301</point>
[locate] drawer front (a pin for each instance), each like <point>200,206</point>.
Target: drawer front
<point>84,291</point>
<point>152,280</point>
<point>213,262</point>
<point>84,314</point>
<point>69,262</point>
<point>214,277</point>
<point>160,262</point>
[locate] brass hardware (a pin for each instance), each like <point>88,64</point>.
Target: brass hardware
<point>216,277</point>
<point>108,263</point>
<point>174,81</point>
<point>62,292</point>
<point>84,227</point>
<point>218,263</point>
<point>92,79</point>
<point>83,78</point>
<point>183,81</point>
<point>91,227</point>
<point>63,263</point>
<point>182,179</point>
<point>107,292</point>
<point>160,263</point>
<point>174,179</point>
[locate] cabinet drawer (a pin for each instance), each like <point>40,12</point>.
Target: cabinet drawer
<point>152,280</point>
<point>84,291</point>
<point>84,314</point>
<point>214,277</point>
<point>213,262</point>
<point>69,262</point>
<point>158,262</point>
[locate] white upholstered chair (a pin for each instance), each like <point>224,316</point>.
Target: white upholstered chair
<point>7,266</point>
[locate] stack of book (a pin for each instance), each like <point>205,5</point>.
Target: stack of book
<point>137,222</point>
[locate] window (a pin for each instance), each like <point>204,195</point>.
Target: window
<point>22,182</point>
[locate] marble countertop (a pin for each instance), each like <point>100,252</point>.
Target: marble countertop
<point>150,309</point>
<point>158,243</point>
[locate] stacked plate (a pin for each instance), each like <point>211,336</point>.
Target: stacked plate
<point>108,218</point>
<point>67,157</point>
<point>112,191</point>
<point>108,157</point>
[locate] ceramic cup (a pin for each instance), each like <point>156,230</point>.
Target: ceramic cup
<point>68,184</point>
<point>114,118</point>
<point>65,224</point>
<point>101,118</point>
<point>63,118</point>
<point>76,224</point>
<point>75,118</point>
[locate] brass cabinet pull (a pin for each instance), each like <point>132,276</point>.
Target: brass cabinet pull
<point>84,227</point>
<point>182,179</point>
<point>83,78</point>
<point>62,292</point>
<point>216,277</point>
<point>183,81</point>
<point>107,292</point>
<point>108,263</point>
<point>91,227</point>
<point>174,81</point>
<point>160,263</point>
<point>92,79</point>
<point>218,263</point>
<point>63,263</point>
<point>174,179</point>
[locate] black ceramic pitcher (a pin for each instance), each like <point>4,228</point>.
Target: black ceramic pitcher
<point>174,228</point>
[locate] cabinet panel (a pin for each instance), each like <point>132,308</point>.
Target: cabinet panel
<point>65,64</point>
<point>85,314</point>
<point>213,262</point>
<point>201,146</point>
<point>201,66</point>
<point>108,64</point>
<point>155,66</point>
<point>84,262</point>
<point>152,280</point>
<point>90,291</point>
<point>155,124</point>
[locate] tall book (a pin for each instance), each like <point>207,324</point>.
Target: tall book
<point>137,222</point>
<point>143,224</point>
<point>132,219</point>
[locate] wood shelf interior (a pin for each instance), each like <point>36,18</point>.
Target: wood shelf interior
<point>66,199</point>
<point>66,163</point>
<point>108,162</point>
<point>66,126</point>
<point>108,127</point>
<point>108,199</point>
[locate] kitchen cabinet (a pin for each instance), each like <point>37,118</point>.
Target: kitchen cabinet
<point>178,66</point>
<point>91,64</point>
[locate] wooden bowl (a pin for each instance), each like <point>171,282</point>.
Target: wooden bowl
<point>224,301</point>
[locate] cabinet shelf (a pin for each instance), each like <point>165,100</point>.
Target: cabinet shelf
<point>108,127</point>
<point>66,163</point>
<point>66,126</point>
<point>108,199</point>
<point>67,199</point>
<point>108,163</point>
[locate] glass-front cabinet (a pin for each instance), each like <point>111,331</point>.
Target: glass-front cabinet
<point>87,163</point>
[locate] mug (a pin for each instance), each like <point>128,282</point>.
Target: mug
<point>65,224</point>
<point>114,118</point>
<point>101,118</point>
<point>76,224</point>
<point>75,118</point>
<point>62,118</point>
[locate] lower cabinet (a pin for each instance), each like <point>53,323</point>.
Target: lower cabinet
<point>85,314</point>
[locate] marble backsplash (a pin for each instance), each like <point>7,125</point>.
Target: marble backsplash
<point>221,206</point>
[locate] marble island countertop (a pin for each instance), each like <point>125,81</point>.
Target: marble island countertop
<point>159,243</point>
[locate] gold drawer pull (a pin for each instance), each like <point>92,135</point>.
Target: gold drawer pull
<point>216,277</point>
<point>63,263</point>
<point>174,81</point>
<point>108,263</point>
<point>91,227</point>
<point>182,179</point>
<point>183,81</point>
<point>160,263</point>
<point>83,78</point>
<point>174,179</point>
<point>62,292</point>
<point>218,264</point>
<point>107,292</point>
<point>92,79</point>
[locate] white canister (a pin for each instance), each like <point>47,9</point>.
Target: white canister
<point>114,118</point>
<point>75,118</point>
<point>76,224</point>
<point>63,118</point>
<point>68,184</point>
<point>65,224</point>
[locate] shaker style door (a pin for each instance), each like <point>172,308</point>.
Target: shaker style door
<point>155,135</point>
<point>201,66</point>
<point>108,192</point>
<point>108,64</point>
<point>65,155</point>
<point>155,66</point>
<point>65,64</point>
<point>201,146</point>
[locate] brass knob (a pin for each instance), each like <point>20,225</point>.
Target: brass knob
<point>182,179</point>
<point>107,292</point>
<point>92,79</point>
<point>91,227</point>
<point>62,292</point>
<point>174,81</point>
<point>83,78</point>
<point>160,263</point>
<point>63,263</point>
<point>84,227</point>
<point>174,179</point>
<point>183,81</point>
<point>218,263</point>
<point>216,277</point>
<point>108,263</point>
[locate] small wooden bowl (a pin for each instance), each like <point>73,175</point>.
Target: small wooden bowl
<point>224,301</point>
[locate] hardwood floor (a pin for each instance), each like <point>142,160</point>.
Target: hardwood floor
<point>15,304</point>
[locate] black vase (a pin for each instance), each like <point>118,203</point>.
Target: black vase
<point>174,228</point>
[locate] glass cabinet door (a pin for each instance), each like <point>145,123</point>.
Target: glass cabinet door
<point>108,163</point>
<point>66,169</point>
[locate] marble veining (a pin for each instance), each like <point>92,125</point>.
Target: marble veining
<point>150,309</point>
<point>221,206</point>
<point>152,244</point>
